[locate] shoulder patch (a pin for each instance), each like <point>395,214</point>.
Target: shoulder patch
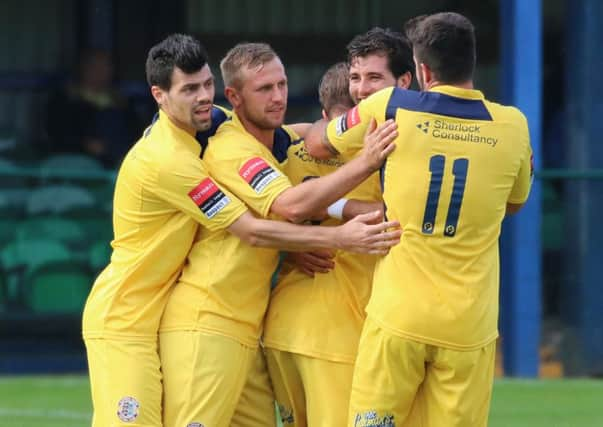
<point>347,121</point>
<point>209,198</point>
<point>258,173</point>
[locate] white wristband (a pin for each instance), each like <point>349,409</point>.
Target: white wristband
<point>336,209</point>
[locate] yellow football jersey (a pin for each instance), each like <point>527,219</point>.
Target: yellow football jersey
<point>322,316</point>
<point>162,193</point>
<point>459,159</point>
<point>225,285</point>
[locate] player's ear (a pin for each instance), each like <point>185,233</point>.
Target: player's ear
<point>404,80</point>
<point>158,94</point>
<point>232,95</point>
<point>324,114</point>
<point>426,73</point>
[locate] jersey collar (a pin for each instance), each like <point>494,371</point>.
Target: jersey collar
<point>182,136</point>
<point>458,92</point>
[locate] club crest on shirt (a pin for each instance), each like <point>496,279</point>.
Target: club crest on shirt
<point>127,409</point>
<point>209,198</point>
<point>374,419</point>
<point>258,174</point>
<point>347,121</point>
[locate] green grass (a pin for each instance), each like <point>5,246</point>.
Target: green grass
<point>64,401</point>
<point>52,401</point>
<point>547,403</point>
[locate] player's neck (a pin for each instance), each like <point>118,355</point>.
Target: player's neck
<point>265,136</point>
<point>463,85</point>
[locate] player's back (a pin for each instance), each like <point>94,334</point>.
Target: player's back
<point>456,165</point>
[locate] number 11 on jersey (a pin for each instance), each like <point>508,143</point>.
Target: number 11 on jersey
<point>459,170</point>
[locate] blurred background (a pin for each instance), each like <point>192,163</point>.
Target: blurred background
<point>73,99</point>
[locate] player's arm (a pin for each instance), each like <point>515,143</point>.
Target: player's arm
<point>300,202</point>
<point>300,128</point>
<point>354,208</point>
<point>344,134</point>
<point>513,208</point>
<point>321,261</point>
<point>185,184</point>
<point>523,182</point>
<point>357,235</point>
<point>317,143</point>
<point>317,261</point>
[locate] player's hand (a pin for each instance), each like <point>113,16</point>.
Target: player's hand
<point>318,261</point>
<point>378,142</point>
<point>359,235</point>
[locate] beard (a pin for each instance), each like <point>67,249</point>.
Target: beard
<point>201,125</point>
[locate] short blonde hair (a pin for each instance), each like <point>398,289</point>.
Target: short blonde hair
<point>244,55</point>
<point>333,89</point>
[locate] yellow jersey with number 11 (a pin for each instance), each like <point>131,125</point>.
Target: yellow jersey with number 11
<point>458,160</point>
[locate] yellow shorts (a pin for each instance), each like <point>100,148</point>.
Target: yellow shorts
<point>406,383</point>
<point>310,391</point>
<point>212,380</point>
<point>255,407</point>
<point>125,381</point>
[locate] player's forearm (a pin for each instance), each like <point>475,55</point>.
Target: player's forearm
<point>316,143</point>
<point>357,235</point>
<point>354,208</point>
<point>301,129</point>
<point>282,235</point>
<point>300,202</point>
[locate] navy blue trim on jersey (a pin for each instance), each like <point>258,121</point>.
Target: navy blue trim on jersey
<point>148,130</point>
<point>436,103</point>
<point>217,118</point>
<point>280,144</point>
<point>382,182</point>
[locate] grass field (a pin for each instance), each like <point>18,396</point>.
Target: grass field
<point>63,401</point>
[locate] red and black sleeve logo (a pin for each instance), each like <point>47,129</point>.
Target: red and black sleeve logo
<point>209,198</point>
<point>350,119</point>
<point>258,173</point>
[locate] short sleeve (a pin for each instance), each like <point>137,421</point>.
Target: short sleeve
<point>251,176</point>
<point>346,132</point>
<point>188,187</point>
<point>523,182</point>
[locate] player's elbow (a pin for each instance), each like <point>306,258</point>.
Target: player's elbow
<point>296,214</point>
<point>291,211</point>
<point>251,234</point>
<point>513,208</point>
<point>318,150</point>
<point>247,228</point>
<point>253,240</point>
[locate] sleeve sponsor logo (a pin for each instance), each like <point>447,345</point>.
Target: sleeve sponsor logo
<point>258,174</point>
<point>347,121</point>
<point>209,198</point>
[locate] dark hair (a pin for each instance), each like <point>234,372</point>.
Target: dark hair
<point>334,88</point>
<point>394,45</point>
<point>177,50</point>
<point>445,42</point>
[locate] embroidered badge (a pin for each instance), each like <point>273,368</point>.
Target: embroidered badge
<point>127,409</point>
